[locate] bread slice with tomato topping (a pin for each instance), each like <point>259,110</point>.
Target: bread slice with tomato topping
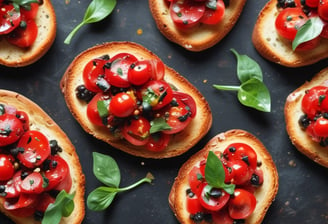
<point>279,50</point>
<point>40,121</point>
<point>293,115</point>
<point>14,56</point>
<point>178,144</point>
<point>264,193</point>
<point>201,36</point>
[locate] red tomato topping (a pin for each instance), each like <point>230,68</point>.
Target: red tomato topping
<point>136,131</point>
<point>24,36</point>
<point>123,104</point>
<point>213,199</point>
<point>242,204</point>
<point>11,129</point>
<point>32,184</point>
<point>9,18</point>
<point>6,167</point>
<point>214,16</point>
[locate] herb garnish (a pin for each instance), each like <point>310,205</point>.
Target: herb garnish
<point>96,11</point>
<point>215,175</point>
<point>252,92</point>
<point>311,29</point>
<point>26,4</point>
<point>107,171</point>
<point>63,207</point>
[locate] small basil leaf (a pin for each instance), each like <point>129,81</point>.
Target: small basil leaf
<point>247,68</point>
<point>214,171</point>
<point>102,107</point>
<point>106,169</point>
<point>310,30</point>
<point>100,198</point>
<point>63,207</point>
<point>159,124</point>
<point>255,94</point>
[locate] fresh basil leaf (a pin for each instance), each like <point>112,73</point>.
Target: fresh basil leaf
<point>100,198</point>
<point>159,124</point>
<point>214,171</point>
<point>255,94</point>
<point>102,107</point>
<point>63,207</point>
<point>106,169</point>
<point>247,68</point>
<point>310,30</point>
<point>96,11</point>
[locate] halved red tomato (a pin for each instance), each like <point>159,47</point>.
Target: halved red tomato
<point>214,16</point>
<point>32,184</point>
<point>196,178</point>
<point>30,12</point>
<point>213,199</point>
<point>241,151</point>
<point>311,102</point>
<point>13,186</point>
<point>158,142</point>
<point>136,130</point>
<point>92,71</point>
<point>92,109</point>
<point>24,36</point>
<point>11,129</point>
<point>156,93</point>
<point>22,206</point>
<point>188,101</point>
<point>123,104</point>
<point>36,149</point>
<point>9,18</point>
<point>6,167</point>
<point>193,204</point>
<point>140,72</point>
<point>241,204</point>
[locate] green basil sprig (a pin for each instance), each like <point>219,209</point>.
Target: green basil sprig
<point>215,175</point>
<point>26,4</point>
<point>107,171</point>
<point>252,92</point>
<point>63,207</point>
<point>96,11</point>
<point>311,29</point>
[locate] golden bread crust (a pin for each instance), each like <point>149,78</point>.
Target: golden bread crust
<point>13,56</point>
<point>200,37</point>
<point>293,111</point>
<point>264,194</point>
<point>40,121</point>
<point>277,49</point>
<point>179,143</point>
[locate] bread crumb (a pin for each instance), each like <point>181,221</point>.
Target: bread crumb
<point>205,81</point>
<point>142,163</point>
<point>292,163</point>
<point>139,31</point>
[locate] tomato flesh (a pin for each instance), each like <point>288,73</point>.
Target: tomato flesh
<point>214,16</point>
<point>9,18</point>
<point>136,131</point>
<point>122,104</point>
<point>7,169</point>
<point>24,36</point>
<point>242,204</point>
<point>11,129</point>
<point>213,203</point>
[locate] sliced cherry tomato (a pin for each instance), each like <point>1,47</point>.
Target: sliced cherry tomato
<point>309,45</point>
<point>242,204</point>
<point>123,104</point>
<point>9,18</point>
<point>11,129</point>
<point>241,151</point>
<point>193,205</point>
<point>323,9</point>
<point>36,149</point>
<point>158,69</point>
<point>92,109</point>
<point>57,173</point>
<point>158,142</point>
<point>24,36</point>
<point>93,72</point>
<point>288,22</point>
<point>320,127</point>
<point>312,3</point>
<point>196,178</point>
<point>241,172</point>
<point>30,12</point>
<point>324,32</point>
<point>156,93</point>
<point>222,216</point>
<point>177,117</point>
<point>136,131</point>
<point>140,72</point>
<point>45,200</point>
<point>23,117</point>
<point>32,184</point>
<point>188,101</point>
<point>213,199</point>
<point>214,16</point>
<point>186,13</point>
<point>22,206</point>
<point>117,74</point>
<point>13,186</point>
<point>7,169</point>
<point>312,99</point>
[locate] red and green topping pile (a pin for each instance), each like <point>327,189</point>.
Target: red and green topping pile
<point>17,21</point>
<point>315,118</point>
<point>131,98</point>
<point>189,13</point>
<point>222,186</point>
<point>32,173</point>
<point>304,22</point>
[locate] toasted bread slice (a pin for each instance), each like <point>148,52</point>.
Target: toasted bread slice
<point>293,111</point>
<point>277,49</point>
<point>13,56</point>
<point>200,37</point>
<point>265,194</point>
<point>179,143</point>
<point>40,121</point>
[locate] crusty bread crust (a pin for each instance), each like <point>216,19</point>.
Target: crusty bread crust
<point>13,56</point>
<point>264,194</point>
<point>293,111</point>
<point>40,121</point>
<point>179,143</point>
<point>200,37</point>
<point>277,49</point>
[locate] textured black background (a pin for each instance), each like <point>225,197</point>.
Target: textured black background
<point>302,196</point>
